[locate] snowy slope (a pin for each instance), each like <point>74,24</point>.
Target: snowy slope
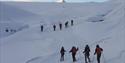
<point>33,13</point>
<point>14,18</point>
<point>50,11</point>
<point>33,46</point>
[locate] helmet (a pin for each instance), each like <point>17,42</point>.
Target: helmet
<point>97,46</point>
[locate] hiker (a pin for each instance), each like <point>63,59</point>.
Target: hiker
<point>66,24</point>
<point>14,30</point>
<point>60,26</point>
<point>54,27</point>
<point>71,22</point>
<point>73,51</point>
<point>62,52</point>
<point>98,52</point>
<point>11,30</point>
<point>41,28</point>
<point>7,30</point>
<point>86,53</point>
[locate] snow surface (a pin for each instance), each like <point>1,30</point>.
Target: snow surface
<point>32,46</point>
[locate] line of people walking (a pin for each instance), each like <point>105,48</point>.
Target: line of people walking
<point>66,25</point>
<point>86,52</point>
<point>10,30</point>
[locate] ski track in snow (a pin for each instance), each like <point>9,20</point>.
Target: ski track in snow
<point>118,57</point>
<point>79,58</point>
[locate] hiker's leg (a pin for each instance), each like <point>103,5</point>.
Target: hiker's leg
<point>88,58</point>
<point>85,58</point>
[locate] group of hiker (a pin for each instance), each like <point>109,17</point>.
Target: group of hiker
<point>86,52</point>
<point>10,30</point>
<point>66,24</point>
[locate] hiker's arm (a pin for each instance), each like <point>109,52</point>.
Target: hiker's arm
<point>101,49</point>
<point>95,52</point>
<point>84,51</point>
<point>64,50</point>
<point>77,48</point>
<point>70,51</point>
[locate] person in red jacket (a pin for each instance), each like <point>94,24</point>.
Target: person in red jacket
<point>73,51</point>
<point>98,52</point>
<point>62,52</point>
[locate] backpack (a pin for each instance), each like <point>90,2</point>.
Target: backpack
<point>98,50</point>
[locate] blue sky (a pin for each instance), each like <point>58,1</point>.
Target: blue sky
<point>58,0</point>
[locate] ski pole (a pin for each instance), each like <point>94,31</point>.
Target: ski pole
<point>93,59</point>
<point>103,58</point>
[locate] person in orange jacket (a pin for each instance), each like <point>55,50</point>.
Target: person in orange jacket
<point>73,51</point>
<point>98,52</point>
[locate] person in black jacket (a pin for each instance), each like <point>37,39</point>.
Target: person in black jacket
<point>72,23</point>
<point>41,28</point>
<point>62,52</point>
<point>66,24</point>
<point>60,26</point>
<point>86,53</point>
<point>54,27</point>
<point>7,30</point>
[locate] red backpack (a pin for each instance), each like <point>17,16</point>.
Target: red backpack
<point>99,50</point>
